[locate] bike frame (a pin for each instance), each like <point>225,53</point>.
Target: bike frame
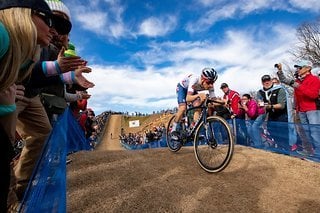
<point>203,117</point>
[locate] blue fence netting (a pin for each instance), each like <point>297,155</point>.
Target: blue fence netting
<point>297,140</point>
<point>149,145</point>
<point>47,188</point>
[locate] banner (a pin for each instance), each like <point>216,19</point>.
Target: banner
<point>135,123</point>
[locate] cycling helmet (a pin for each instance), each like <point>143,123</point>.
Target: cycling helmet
<point>209,74</point>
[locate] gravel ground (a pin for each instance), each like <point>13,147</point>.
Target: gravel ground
<point>156,180</point>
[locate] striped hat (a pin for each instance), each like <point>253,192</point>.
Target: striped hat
<point>57,5</point>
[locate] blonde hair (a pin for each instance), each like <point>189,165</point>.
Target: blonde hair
<point>22,47</point>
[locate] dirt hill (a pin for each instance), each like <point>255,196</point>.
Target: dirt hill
<point>110,141</point>
<point>111,179</point>
<point>156,180</point>
<point>146,122</point>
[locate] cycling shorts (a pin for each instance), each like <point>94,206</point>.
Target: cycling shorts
<point>181,94</point>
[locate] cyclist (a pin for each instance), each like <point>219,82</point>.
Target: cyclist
<point>188,91</point>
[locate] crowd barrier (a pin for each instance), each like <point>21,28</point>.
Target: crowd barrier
<point>279,137</point>
<point>47,188</point>
<point>152,144</point>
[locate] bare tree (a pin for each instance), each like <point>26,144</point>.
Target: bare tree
<point>308,47</point>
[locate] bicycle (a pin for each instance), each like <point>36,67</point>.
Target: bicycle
<point>212,137</point>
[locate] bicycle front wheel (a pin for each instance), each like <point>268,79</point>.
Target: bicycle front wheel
<point>173,145</point>
<point>213,144</point>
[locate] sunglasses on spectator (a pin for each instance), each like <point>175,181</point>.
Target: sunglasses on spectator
<point>44,18</point>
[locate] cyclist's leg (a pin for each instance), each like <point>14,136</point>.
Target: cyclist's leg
<point>181,98</point>
<point>197,112</point>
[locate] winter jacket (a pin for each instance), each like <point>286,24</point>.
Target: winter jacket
<point>253,110</point>
<point>307,93</point>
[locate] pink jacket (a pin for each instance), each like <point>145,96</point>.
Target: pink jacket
<point>253,110</point>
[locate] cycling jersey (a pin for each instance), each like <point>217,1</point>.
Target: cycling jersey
<point>193,85</point>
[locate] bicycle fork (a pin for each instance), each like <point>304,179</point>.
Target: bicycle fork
<point>209,135</point>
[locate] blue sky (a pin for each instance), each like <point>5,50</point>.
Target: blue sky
<point>139,50</point>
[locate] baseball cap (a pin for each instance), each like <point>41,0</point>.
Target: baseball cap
<point>224,85</point>
<point>39,5</point>
<point>61,25</point>
<point>266,78</point>
<point>303,63</point>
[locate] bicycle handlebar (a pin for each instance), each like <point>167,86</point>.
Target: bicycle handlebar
<point>208,100</point>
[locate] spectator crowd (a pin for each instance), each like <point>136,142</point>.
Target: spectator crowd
<point>154,134</point>
<point>41,75</point>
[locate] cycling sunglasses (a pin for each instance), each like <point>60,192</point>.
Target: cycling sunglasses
<point>209,82</point>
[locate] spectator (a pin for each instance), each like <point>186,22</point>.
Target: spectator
<point>55,97</point>
<point>275,81</point>
<point>18,36</point>
<point>32,122</point>
<point>89,122</point>
<point>251,111</point>
<point>232,100</point>
<point>274,98</point>
<point>306,92</point>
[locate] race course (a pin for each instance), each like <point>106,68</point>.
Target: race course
<point>156,180</point>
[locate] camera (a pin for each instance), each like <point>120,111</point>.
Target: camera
<point>276,65</point>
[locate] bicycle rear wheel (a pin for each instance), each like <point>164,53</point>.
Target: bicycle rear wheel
<point>173,145</point>
<point>214,144</point>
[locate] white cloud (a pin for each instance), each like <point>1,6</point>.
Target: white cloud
<point>241,59</point>
<point>126,85</point>
<point>311,5</point>
<point>210,17</point>
<point>154,26</point>
<point>226,10</point>
<point>94,21</point>
<point>102,18</point>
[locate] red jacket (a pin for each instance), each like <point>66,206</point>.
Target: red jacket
<point>233,99</point>
<point>307,93</point>
<point>82,120</point>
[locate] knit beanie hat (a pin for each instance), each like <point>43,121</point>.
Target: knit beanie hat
<point>70,51</point>
<point>57,5</point>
